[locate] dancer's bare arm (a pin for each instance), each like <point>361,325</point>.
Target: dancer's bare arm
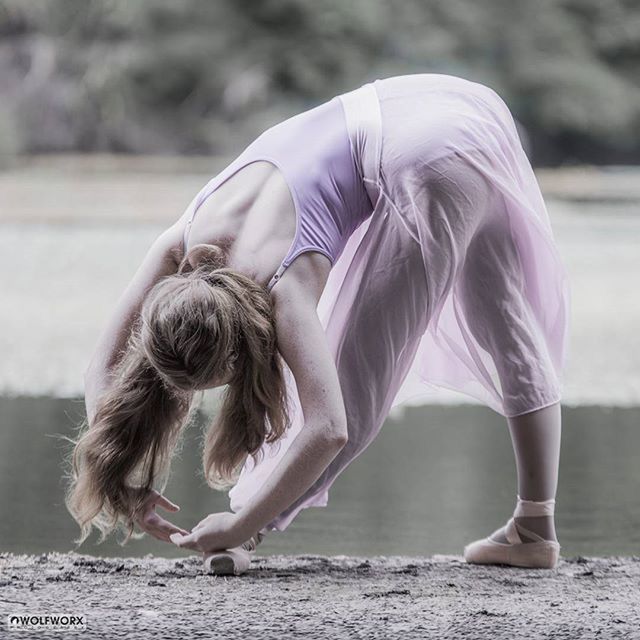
<point>162,259</point>
<point>302,343</point>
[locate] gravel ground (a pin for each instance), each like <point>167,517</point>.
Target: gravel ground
<point>324,597</point>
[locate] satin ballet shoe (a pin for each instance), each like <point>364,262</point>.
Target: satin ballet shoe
<point>234,561</point>
<point>541,554</point>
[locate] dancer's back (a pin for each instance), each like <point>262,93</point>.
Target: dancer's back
<point>312,151</point>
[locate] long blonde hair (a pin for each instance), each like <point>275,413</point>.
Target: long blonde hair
<point>210,322</point>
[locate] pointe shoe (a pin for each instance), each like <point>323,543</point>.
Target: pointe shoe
<point>541,554</point>
<point>234,561</point>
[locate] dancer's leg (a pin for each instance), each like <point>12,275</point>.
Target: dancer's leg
<point>492,295</point>
<point>536,443</point>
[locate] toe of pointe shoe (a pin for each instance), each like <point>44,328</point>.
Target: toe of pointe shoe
<point>533,555</point>
<point>485,551</point>
<point>234,561</point>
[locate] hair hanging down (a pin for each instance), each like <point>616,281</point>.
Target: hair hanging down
<point>196,327</point>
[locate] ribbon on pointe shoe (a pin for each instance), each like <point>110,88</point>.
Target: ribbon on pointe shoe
<point>526,508</point>
<point>253,541</point>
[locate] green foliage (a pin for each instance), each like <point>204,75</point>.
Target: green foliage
<point>204,77</point>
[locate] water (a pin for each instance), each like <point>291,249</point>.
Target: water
<point>435,478</point>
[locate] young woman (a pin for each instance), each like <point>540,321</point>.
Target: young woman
<point>386,242</point>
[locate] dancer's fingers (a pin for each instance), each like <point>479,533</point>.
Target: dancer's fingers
<point>169,527</point>
<point>201,524</point>
<point>165,503</point>
<point>186,542</point>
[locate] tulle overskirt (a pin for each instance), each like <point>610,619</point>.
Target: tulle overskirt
<point>453,282</point>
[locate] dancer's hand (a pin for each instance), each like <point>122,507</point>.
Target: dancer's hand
<point>148,520</point>
<point>216,532</point>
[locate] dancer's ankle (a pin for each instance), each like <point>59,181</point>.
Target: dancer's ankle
<point>538,516</point>
<point>544,526</point>
<point>534,516</point>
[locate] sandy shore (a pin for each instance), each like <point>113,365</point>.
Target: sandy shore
<point>325,597</point>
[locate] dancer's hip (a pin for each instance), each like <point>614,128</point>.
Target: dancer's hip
<point>362,114</point>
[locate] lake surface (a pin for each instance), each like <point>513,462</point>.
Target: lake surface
<point>436,478</point>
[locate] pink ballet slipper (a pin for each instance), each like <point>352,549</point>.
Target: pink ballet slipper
<point>234,561</point>
<point>541,554</point>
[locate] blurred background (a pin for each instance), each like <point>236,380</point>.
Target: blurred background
<point>203,77</point>
<point>114,114</point>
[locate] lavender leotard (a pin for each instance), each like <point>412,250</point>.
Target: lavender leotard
<point>313,152</point>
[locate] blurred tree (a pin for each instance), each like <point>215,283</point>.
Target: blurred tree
<point>156,76</point>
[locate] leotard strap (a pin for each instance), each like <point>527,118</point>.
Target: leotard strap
<point>276,276</point>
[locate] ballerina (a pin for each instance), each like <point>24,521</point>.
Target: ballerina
<point>418,254</point>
